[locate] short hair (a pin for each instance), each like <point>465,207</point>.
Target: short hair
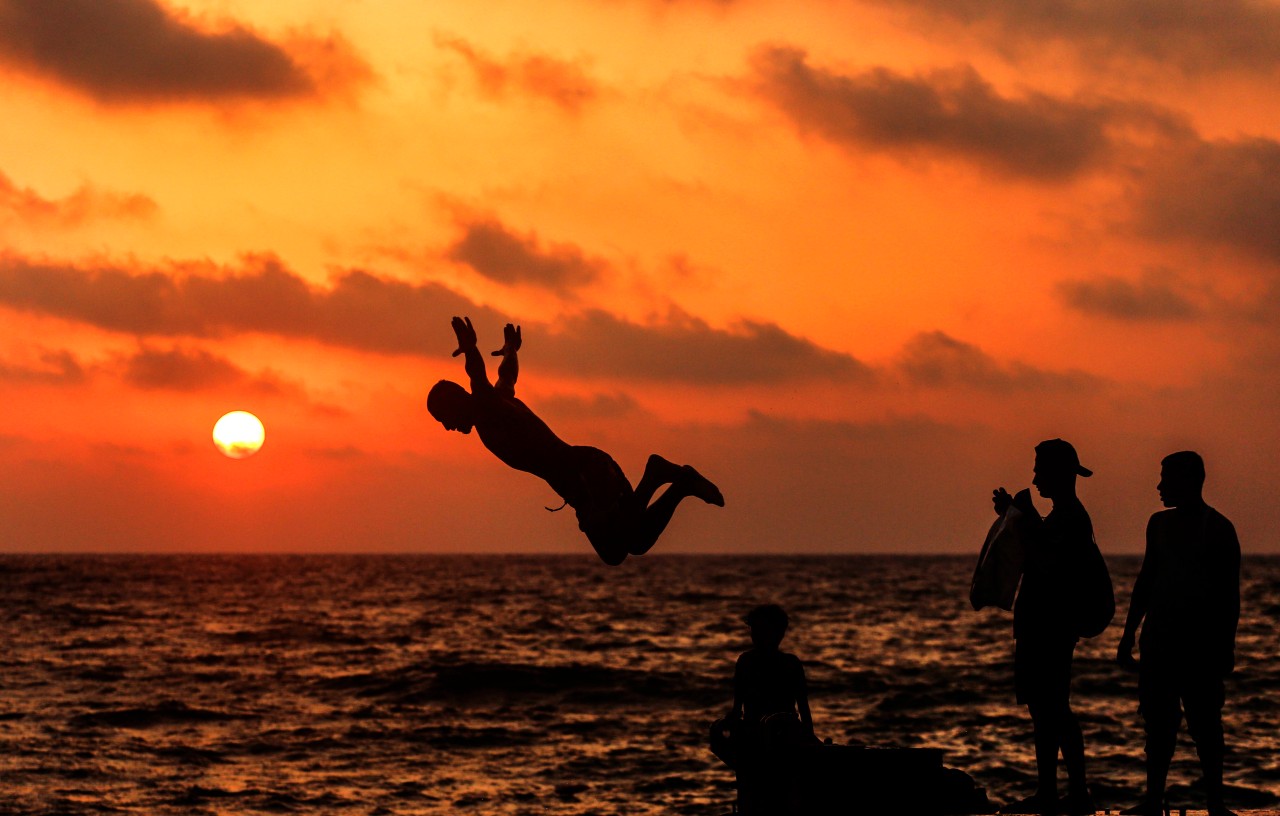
<point>445,395</point>
<point>1186,464</point>
<point>768,616</point>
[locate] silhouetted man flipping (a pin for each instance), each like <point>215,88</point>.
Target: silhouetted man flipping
<point>618,520</point>
<point>1188,592</point>
<point>1044,631</point>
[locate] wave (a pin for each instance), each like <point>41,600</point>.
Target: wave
<point>569,683</point>
<point>167,712</point>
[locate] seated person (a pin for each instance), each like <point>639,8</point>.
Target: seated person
<point>767,681</point>
<point>770,715</point>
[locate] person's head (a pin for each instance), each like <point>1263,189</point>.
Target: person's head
<point>768,624</point>
<point>1057,466</point>
<point>1181,479</point>
<point>450,404</point>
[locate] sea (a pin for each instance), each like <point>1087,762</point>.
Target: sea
<point>380,685</point>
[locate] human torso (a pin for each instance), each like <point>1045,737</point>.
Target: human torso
<point>768,682</point>
<point>518,437</point>
<point>1043,606</point>
<point>1188,573</point>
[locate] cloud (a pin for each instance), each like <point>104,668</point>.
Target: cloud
<point>1218,192</point>
<point>935,359</point>
<point>194,369</point>
<point>501,255</point>
<point>82,205</point>
<point>364,312</point>
<point>561,82</point>
<point>684,348</point>
<point>359,311</point>
<point>149,369</point>
<point>131,51</point>
<point>1156,297</point>
<point>50,368</point>
<point>953,112</point>
<point>1191,35</point>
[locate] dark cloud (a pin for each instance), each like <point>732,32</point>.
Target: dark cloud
<point>179,369</point>
<point>1219,192</point>
<point>359,311</point>
<point>174,369</point>
<point>561,82</point>
<point>1191,35</point>
<point>935,359</point>
<point>50,368</point>
<point>82,205</point>
<point>369,313</point>
<point>1156,297</point>
<point>954,112</point>
<point>141,51</point>
<point>685,348</point>
<point>501,255</point>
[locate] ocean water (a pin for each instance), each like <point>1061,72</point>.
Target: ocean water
<point>528,685</point>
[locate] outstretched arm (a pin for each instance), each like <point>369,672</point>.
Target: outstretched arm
<point>474,359</point>
<point>509,368</point>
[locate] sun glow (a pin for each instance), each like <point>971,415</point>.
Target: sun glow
<point>239,434</point>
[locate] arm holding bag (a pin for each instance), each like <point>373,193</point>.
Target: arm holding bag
<point>999,568</point>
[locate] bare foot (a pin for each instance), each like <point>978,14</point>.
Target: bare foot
<point>695,484</point>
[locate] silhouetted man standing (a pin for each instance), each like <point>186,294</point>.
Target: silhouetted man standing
<point>1188,592</point>
<point>618,520</point>
<point>1044,629</point>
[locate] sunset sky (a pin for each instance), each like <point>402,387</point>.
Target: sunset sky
<point>853,260</point>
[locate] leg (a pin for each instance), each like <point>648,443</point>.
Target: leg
<point>659,471</point>
<point>1202,701</point>
<point>1029,678</point>
<point>1047,730</point>
<point>1161,716</point>
<point>1070,737</point>
<point>652,516</point>
<point>1079,800</point>
<point>1073,750</point>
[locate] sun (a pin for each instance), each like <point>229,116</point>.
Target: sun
<point>239,434</point>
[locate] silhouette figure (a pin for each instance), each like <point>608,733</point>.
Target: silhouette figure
<point>618,520</point>
<point>1045,627</point>
<point>768,681</point>
<point>770,718</point>
<point>1188,592</point>
<point>783,770</point>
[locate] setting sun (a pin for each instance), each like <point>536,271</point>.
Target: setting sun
<point>238,434</point>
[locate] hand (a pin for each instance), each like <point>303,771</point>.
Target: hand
<point>466,335</point>
<point>1124,652</point>
<point>510,340</point>
<point>1001,499</point>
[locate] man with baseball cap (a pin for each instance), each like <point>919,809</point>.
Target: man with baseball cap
<point>1044,632</point>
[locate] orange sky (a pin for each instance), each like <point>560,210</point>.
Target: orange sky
<point>851,260</point>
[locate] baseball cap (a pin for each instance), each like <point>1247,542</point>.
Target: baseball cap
<point>1060,454</point>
